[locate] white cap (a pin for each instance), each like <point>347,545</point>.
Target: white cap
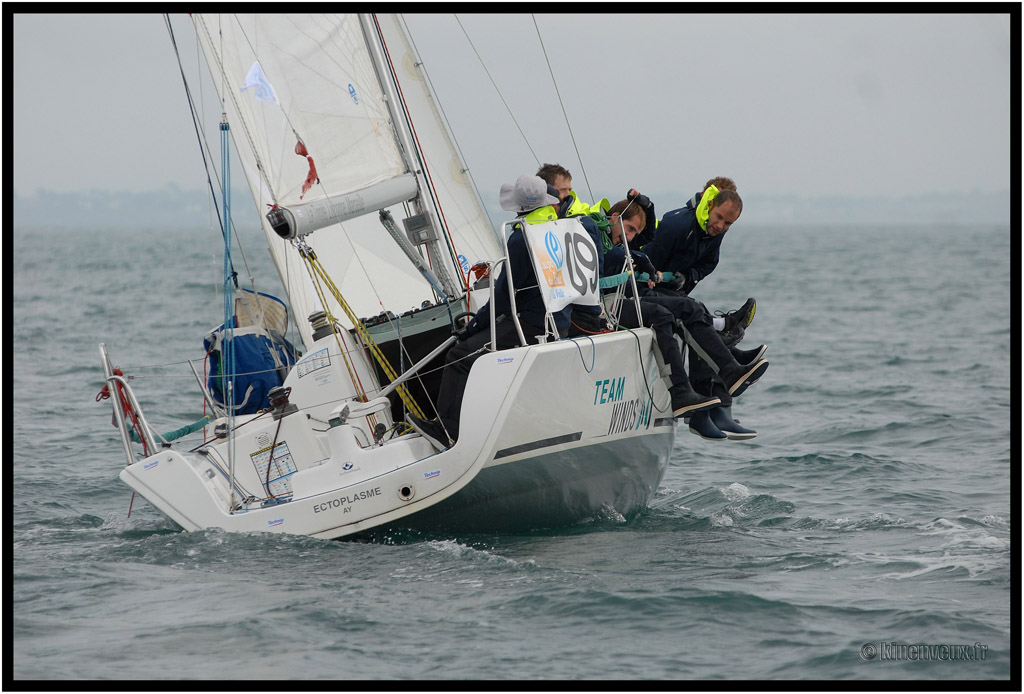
<point>528,193</point>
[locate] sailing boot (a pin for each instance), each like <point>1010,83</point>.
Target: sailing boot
<point>685,400</point>
<point>749,356</point>
<point>746,375</point>
<point>722,418</point>
<point>702,426</point>
<point>736,377</point>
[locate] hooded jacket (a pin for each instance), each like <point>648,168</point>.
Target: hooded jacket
<point>681,246</point>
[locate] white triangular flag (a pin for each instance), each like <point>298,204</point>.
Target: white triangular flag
<point>263,90</point>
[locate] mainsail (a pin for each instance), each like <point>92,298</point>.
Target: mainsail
<point>308,99</point>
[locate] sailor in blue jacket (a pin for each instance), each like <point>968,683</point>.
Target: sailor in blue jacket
<point>688,239</point>
<point>666,316</point>
<point>688,242</point>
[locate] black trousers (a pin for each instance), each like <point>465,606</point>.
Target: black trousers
<point>459,359</point>
<point>703,375</point>
<point>704,378</point>
<point>698,328</point>
<point>661,320</point>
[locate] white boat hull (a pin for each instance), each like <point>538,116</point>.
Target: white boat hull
<point>555,488</point>
<point>561,432</point>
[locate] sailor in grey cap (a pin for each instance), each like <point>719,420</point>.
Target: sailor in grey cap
<point>528,193</point>
<point>528,198</point>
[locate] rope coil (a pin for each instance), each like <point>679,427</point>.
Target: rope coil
<point>126,407</point>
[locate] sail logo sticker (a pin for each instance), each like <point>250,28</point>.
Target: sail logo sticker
<point>549,262</point>
<point>352,93</point>
<point>463,263</point>
<point>554,249</point>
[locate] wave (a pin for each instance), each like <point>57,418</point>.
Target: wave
<point>965,547</point>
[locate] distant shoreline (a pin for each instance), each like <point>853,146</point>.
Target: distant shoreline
<point>176,208</point>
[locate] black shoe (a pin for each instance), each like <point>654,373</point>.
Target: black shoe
<point>702,426</point>
<point>722,418</point>
<point>742,317</point>
<point>692,401</point>
<point>749,356</point>
<point>733,337</point>
<point>743,377</point>
<point>432,430</point>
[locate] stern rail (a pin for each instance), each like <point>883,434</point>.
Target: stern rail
<point>120,384</point>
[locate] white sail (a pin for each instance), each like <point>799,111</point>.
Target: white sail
<point>306,107</point>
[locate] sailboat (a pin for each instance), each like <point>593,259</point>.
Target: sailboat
<point>368,210</point>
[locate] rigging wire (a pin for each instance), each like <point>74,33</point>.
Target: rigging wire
<point>562,104</point>
<point>500,96</point>
<point>551,72</point>
<point>287,270</point>
<point>226,222</point>
<point>198,128</point>
<point>198,117</point>
<point>204,150</point>
<point>465,170</point>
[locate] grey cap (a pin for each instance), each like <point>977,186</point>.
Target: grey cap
<point>528,193</point>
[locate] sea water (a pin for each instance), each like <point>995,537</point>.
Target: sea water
<point>865,534</point>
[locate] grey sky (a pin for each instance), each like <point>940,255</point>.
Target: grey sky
<point>825,104</point>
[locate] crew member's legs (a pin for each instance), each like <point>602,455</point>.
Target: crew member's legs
<point>662,322</point>
<point>458,362</point>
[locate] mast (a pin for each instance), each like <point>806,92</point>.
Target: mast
<point>410,154</point>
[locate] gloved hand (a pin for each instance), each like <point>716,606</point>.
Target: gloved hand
<point>640,198</point>
<point>678,282</point>
<point>643,264</point>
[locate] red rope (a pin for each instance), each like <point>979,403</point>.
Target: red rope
<point>104,394</point>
